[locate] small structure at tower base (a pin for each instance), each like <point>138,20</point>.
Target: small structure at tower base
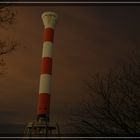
<point>40,129</point>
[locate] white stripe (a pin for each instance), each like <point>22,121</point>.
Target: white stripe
<point>47,49</point>
<point>49,26</point>
<point>45,83</point>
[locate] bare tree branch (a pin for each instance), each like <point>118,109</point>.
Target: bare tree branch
<point>7,15</point>
<point>114,107</point>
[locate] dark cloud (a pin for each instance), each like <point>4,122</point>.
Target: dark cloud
<point>9,129</point>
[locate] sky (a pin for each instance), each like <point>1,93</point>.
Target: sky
<point>88,40</point>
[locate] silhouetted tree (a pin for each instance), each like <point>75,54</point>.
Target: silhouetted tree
<point>113,108</point>
<point>7,15</point>
<point>7,18</point>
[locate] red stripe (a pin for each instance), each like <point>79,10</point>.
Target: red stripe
<point>43,104</point>
<point>48,34</point>
<point>46,65</point>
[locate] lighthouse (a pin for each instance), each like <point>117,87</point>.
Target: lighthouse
<point>41,126</point>
<point>49,20</point>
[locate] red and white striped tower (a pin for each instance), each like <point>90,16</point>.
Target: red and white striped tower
<point>49,20</point>
<point>41,126</point>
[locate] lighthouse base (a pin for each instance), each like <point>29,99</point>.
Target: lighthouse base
<point>40,129</point>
